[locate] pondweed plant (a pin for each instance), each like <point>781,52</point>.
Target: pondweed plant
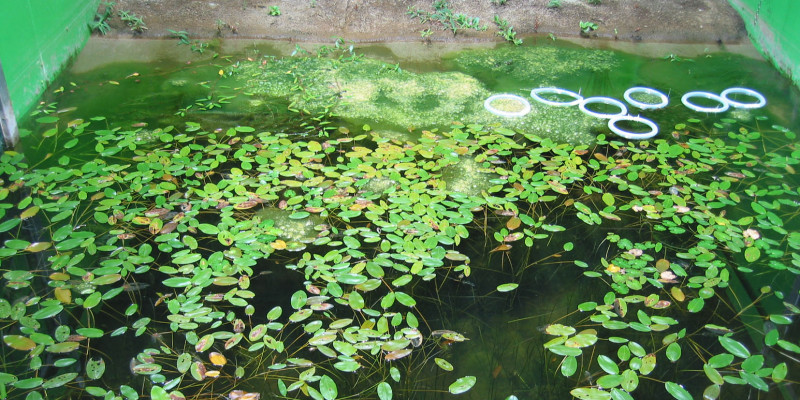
<point>173,247</point>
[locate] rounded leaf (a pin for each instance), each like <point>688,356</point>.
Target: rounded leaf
<point>507,287</point>
<point>327,387</point>
<point>677,391</point>
<point>588,393</point>
<point>734,347</point>
<point>19,342</point>
<point>443,364</point>
<point>384,391</point>
<point>462,385</point>
<point>95,368</point>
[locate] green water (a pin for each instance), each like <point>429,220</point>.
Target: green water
<point>384,121</point>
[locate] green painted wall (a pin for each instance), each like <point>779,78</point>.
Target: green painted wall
<point>772,25</point>
<point>38,38</point>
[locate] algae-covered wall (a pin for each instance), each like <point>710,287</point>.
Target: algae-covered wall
<point>772,27</point>
<point>38,38</point>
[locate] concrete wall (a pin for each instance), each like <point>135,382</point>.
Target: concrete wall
<point>37,38</point>
<point>772,25</point>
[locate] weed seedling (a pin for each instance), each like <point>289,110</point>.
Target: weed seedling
<point>506,31</point>
<point>587,27</point>
<point>274,11</point>
<point>133,21</point>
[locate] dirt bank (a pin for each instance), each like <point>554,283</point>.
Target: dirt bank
<point>692,21</point>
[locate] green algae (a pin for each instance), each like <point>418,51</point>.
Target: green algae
<point>368,90</point>
<point>538,66</point>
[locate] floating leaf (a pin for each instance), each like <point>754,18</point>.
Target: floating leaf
<point>608,365</point>
<point>397,354</point>
<point>569,366</point>
<point>18,342</point>
<point>95,368</point>
<point>146,369</point>
<point>63,347</point>
<point>587,393</point>
<point>677,391</point>
<point>507,287</point>
<point>443,364</point>
<point>217,359</point>
<point>712,392</point>
<point>462,385</point>
<point>734,347</point>
<point>384,391</point>
<point>327,387</point>
<point>204,343</point>
<point>752,254</point>
<point>59,380</point>
<point>559,330</point>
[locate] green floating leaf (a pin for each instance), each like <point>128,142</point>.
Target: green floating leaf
<point>677,391</point>
<point>507,287</point>
<point>59,380</point>
<point>462,385</point>
<point>327,387</point>
<point>569,366</point>
<point>608,365</point>
<point>19,342</point>
<point>95,368</point>
<point>630,380</point>
<point>347,366</point>
<point>443,364</point>
<point>384,391</point>
<point>752,254</point>
<point>588,393</point>
<point>720,360</point>
<point>158,393</point>
<point>734,347</point>
<point>90,332</point>
<point>405,299</point>
<point>712,392</point>
<point>29,383</point>
<point>63,347</point>
<point>609,381</point>
<point>674,352</point>
<point>779,372</point>
<point>559,330</point>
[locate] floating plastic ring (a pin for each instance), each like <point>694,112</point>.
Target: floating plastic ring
<point>577,98</point>
<point>612,124</point>
<point>646,90</point>
<point>603,100</point>
<point>526,107</point>
<point>705,95</point>
<point>760,100</point>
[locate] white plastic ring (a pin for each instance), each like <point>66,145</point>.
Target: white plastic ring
<point>603,100</point>
<point>612,124</point>
<point>646,90</point>
<point>760,100</point>
<point>526,107</point>
<point>576,97</point>
<point>705,95</point>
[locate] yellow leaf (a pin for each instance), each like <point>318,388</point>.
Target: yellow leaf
<point>217,359</point>
<point>63,295</point>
